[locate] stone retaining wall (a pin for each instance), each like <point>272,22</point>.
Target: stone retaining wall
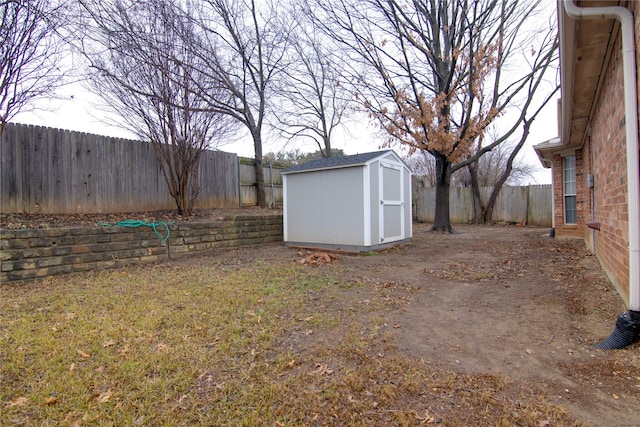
<point>29,254</point>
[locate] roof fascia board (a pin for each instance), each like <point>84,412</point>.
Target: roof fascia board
<point>352,165</point>
<point>326,168</point>
<point>567,33</point>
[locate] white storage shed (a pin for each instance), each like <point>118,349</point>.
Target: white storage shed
<point>356,203</point>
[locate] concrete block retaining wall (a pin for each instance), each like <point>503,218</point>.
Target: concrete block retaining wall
<point>29,254</point>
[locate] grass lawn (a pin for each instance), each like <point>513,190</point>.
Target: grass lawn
<point>209,344</point>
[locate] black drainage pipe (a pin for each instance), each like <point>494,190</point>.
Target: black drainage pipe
<point>626,332</point>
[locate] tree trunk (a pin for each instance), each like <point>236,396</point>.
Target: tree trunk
<point>257,145</point>
<point>507,171</point>
<point>327,147</point>
<point>478,208</point>
<point>491,203</point>
<point>442,220</point>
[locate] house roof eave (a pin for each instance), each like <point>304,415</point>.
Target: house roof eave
<point>566,33</point>
<point>547,149</point>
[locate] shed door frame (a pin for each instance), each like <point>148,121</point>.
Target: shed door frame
<point>392,204</point>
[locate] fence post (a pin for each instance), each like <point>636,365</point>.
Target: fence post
<point>271,179</point>
<point>239,184</point>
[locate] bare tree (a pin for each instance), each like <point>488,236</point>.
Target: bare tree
<point>423,164</point>
<point>241,49</point>
<point>313,97</point>
<point>30,54</point>
<point>490,167</point>
<point>296,157</point>
<point>440,73</point>
<point>137,53</point>
<point>529,110</point>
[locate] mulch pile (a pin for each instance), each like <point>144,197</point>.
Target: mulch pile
<point>317,259</point>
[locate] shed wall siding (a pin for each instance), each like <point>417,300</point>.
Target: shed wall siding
<point>326,207</point>
<point>408,211</point>
<point>391,158</point>
<point>375,202</point>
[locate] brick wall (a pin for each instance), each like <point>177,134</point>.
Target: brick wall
<point>582,201</point>
<point>29,254</point>
<point>608,146</point>
<point>604,156</point>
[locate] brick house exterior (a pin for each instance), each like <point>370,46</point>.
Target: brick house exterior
<point>594,139</point>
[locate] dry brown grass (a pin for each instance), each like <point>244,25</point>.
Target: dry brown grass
<point>212,345</point>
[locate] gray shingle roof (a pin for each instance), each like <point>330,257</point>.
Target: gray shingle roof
<point>335,162</point>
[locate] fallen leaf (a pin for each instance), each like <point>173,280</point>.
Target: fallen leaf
<point>104,397</point>
<point>83,354</point>
<point>72,367</point>
<point>426,419</point>
<point>51,400</point>
<point>322,370</point>
<point>71,416</point>
<point>18,401</point>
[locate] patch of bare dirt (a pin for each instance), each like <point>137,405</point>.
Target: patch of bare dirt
<point>499,300</point>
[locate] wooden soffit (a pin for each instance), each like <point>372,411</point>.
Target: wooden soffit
<point>585,48</point>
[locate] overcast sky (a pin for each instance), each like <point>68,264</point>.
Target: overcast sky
<point>75,108</point>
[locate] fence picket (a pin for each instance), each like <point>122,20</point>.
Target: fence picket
<point>46,170</point>
<point>530,204</point>
<point>55,171</point>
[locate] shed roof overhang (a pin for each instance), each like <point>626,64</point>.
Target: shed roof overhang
<point>585,48</point>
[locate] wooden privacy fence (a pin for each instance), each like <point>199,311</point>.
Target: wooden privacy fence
<point>528,204</point>
<point>272,183</point>
<point>46,170</point>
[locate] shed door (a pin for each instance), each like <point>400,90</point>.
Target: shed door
<point>391,202</point>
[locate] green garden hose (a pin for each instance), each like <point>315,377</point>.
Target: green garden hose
<point>140,223</point>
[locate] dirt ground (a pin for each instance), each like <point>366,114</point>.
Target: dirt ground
<point>497,300</point>
<point>500,300</point>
